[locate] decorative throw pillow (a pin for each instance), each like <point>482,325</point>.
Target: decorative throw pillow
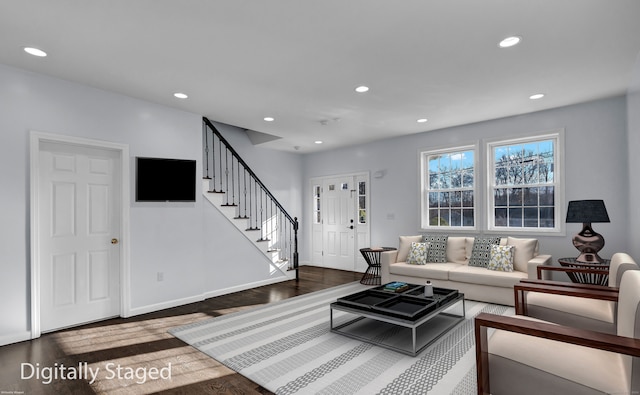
<point>405,245</point>
<point>481,252</point>
<point>418,253</point>
<point>524,251</point>
<point>437,248</point>
<point>501,258</point>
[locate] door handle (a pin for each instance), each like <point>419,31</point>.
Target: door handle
<point>114,241</point>
<point>350,227</point>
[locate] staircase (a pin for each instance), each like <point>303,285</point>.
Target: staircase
<point>234,189</point>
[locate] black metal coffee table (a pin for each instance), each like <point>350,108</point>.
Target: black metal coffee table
<point>406,322</point>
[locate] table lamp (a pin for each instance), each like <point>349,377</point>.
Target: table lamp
<point>588,242</point>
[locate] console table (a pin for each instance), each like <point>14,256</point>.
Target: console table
<point>372,257</point>
<point>590,273</point>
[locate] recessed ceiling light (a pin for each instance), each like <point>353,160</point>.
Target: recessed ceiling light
<point>35,52</point>
<point>180,95</point>
<point>536,96</point>
<point>362,89</point>
<point>510,42</point>
<point>269,119</point>
<point>422,120</point>
<point>318,141</point>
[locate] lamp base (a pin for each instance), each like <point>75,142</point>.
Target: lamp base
<point>589,257</point>
<point>588,242</point>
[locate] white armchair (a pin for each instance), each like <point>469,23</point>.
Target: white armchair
<point>577,305</point>
<point>529,356</point>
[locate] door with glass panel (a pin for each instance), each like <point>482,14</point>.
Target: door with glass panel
<point>340,221</point>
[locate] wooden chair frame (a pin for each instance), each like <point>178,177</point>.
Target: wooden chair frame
<point>580,337</point>
<point>556,287</point>
<point>561,287</point>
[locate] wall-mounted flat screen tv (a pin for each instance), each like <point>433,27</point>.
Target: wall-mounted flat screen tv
<point>165,180</point>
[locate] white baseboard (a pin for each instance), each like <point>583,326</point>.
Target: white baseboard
<point>198,298</point>
<point>15,338</point>
<point>164,305</point>
<point>244,287</point>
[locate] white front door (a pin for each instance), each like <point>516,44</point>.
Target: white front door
<point>79,251</point>
<point>339,222</point>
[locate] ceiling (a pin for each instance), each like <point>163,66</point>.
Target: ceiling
<point>299,61</point>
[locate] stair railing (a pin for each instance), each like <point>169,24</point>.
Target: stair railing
<point>229,174</point>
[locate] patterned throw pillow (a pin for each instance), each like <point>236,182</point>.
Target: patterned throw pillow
<point>418,253</point>
<point>437,248</point>
<point>501,258</point>
<point>481,252</point>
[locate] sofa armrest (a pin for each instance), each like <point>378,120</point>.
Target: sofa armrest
<point>387,258</point>
<point>532,267</point>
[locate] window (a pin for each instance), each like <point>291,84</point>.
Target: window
<point>317,215</point>
<point>524,184</point>
<point>362,202</point>
<point>448,181</point>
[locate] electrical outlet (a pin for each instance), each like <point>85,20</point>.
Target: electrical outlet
<point>160,276</point>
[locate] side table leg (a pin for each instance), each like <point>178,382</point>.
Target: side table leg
<point>371,275</point>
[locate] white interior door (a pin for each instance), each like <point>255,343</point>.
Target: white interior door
<point>339,222</point>
<point>79,251</point>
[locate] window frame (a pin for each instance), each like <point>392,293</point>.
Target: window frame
<point>558,183</point>
<point>424,154</point>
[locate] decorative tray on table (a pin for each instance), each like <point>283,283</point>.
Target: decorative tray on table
<point>399,299</point>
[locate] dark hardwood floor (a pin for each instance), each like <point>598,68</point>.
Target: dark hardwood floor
<point>126,350</point>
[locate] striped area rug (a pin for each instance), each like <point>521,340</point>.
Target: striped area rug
<point>287,348</point>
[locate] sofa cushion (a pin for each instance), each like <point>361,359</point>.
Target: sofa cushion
<point>433,271</point>
<point>501,258</point>
<point>481,252</point>
<point>457,249</point>
<point>437,248</point>
<point>524,251</point>
<point>404,245</point>
<point>418,253</point>
<point>482,276</point>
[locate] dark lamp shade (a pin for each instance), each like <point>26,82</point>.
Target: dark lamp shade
<point>587,211</point>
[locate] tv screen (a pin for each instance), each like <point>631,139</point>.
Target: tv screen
<point>164,180</point>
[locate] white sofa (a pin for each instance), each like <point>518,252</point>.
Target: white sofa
<point>477,283</point>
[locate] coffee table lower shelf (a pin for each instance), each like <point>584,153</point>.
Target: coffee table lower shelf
<point>402,335</point>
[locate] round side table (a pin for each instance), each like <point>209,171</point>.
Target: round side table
<point>596,273</point>
<point>372,256</point>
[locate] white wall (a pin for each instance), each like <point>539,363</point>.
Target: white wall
<point>195,248</point>
<point>633,144</point>
<point>595,158</point>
